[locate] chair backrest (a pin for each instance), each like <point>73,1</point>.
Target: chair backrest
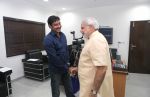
<point>33,54</point>
<point>113,53</point>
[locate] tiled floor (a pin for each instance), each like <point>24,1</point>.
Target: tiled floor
<point>25,87</point>
<point>137,85</point>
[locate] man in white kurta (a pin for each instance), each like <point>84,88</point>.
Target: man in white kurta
<point>94,55</point>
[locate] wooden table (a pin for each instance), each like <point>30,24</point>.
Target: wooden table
<point>119,81</point>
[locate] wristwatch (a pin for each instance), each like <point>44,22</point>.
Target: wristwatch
<point>94,92</point>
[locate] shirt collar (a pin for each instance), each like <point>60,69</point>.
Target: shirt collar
<point>54,34</point>
<point>93,34</point>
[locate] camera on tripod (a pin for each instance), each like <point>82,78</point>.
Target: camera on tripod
<point>77,41</point>
<point>76,49</point>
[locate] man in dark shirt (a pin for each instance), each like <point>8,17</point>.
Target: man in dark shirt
<point>55,44</point>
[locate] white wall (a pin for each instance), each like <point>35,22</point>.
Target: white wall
<point>118,17</point>
<point>20,10</point>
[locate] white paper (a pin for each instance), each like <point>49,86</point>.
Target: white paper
<point>32,59</point>
<point>4,69</point>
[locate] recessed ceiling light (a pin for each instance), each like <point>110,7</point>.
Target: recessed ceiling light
<point>63,8</point>
<point>45,0</point>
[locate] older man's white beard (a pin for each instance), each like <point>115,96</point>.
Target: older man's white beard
<point>85,36</point>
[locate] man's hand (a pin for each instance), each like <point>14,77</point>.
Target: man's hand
<point>73,70</point>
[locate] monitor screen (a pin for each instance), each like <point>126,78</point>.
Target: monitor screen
<point>108,33</point>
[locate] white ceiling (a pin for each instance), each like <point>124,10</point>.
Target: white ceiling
<point>57,5</point>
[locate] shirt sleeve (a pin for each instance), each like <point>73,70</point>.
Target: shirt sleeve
<point>67,53</point>
<point>98,52</point>
<point>68,57</point>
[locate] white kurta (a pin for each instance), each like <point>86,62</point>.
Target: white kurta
<point>95,53</point>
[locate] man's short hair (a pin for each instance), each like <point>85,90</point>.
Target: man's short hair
<point>52,19</point>
<point>91,21</point>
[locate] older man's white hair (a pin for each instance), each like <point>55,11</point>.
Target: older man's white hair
<point>91,21</point>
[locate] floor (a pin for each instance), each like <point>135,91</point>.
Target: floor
<point>137,85</point>
<point>26,87</point>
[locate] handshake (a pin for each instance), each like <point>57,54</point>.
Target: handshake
<point>73,71</point>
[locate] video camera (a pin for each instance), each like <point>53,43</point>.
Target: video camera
<point>77,41</point>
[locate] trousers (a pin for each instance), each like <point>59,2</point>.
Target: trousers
<point>57,79</point>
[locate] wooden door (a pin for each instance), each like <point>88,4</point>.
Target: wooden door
<point>139,47</point>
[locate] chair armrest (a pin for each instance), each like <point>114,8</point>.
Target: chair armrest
<point>35,62</point>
